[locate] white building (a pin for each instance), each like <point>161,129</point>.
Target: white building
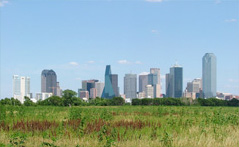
<point>21,87</point>
<point>99,88</point>
<point>141,95</point>
<point>43,96</point>
<point>149,91</point>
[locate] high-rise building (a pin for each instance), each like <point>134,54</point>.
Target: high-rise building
<point>143,82</point>
<point>93,93</point>
<point>58,89</point>
<point>209,75</point>
<point>154,80</point>
<point>130,85</point>
<point>88,84</point>
<point>108,91</point>
<point>174,82</point>
<point>114,81</point>
<point>99,88</point>
<point>84,94</point>
<point>49,82</point>
<point>149,93</point>
<point>21,87</point>
<point>194,86</point>
<point>167,83</point>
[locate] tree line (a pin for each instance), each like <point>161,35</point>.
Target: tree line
<point>70,98</point>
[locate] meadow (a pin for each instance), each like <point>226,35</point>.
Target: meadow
<point>120,126</point>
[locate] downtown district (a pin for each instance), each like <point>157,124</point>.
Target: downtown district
<point>149,85</point>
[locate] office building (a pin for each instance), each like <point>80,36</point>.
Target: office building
<point>143,82</point>
<point>99,88</point>
<point>84,94</point>
<point>149,93</point>
<point>174,82</point>
<point>108,91</point>
<point>209,75</point>
<point>49,82</point>
<point>154,80</point>
<point>93,93</point>
<point>114,81</point>
<point>130,85</point>
<point>21,87</point>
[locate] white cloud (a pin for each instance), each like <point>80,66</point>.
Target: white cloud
<point>74,63</point>
<point>154,31</point>
<point>154,0</point>
<point>91,62</point>
<point>123,62</point>
<point>218,1</point>
<point>138,62</point>
<point>144,73</point>
<point>231,20</point>
<point>3,2</point>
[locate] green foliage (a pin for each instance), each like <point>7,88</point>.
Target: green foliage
<point>10,102</point>
<point>18,139</point>
<point>28,102</point>
<point>51,101</point>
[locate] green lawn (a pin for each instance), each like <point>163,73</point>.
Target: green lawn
<point>119,126</point>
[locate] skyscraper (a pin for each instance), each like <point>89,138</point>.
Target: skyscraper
<point>114,81</point>
<point>108,91</point>
<point>209,75</point>
<point>154,80</point>
<point>49,82</point>
<point>149,93</point>
<point>143,82</point>
<point>99,88</point>
<point>174,82</point>
<point>130,85</point>
<point>21,87</point>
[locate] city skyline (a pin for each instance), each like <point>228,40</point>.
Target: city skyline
<point>131,36</point>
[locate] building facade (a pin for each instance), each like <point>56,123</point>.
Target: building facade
<point>209,75</point>
<point>154,80</point>
<point>114,81</point>
<point>49,82</point>
<point>99,88</point>
<point>108,91</point>
<point>130,85</point>
<point>143,82</point>
<point>21,87</point>
<point>174,82</point>
<point>149,93</point>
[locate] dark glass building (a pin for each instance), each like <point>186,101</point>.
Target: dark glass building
<point>114,81</point>
<point>174,82</point>
<point>108,91</point>
<point>49,82</point>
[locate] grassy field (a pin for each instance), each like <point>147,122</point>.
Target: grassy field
<point>143,126</point>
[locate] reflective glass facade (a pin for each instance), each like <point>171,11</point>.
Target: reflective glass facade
<point>209,73</point>
<point>108,91</point>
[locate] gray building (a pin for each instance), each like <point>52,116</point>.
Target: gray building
<point>49,82</point>
<point>114,81</point>
<point>143,82</point>
<point>99,88</point>
<point>174,82</point>
<point>154,80</point>
<point>130,85</point>
<point>209,75</point>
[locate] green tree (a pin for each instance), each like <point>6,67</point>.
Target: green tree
<point>68,97</point>
<point>28,102</point>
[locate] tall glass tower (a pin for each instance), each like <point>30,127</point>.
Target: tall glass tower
<point>174,82</point>
<point>49,82</point>
<point>108,91</point>
<point>209,75</point>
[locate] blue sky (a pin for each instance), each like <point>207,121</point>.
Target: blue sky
<point>78,38</point>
